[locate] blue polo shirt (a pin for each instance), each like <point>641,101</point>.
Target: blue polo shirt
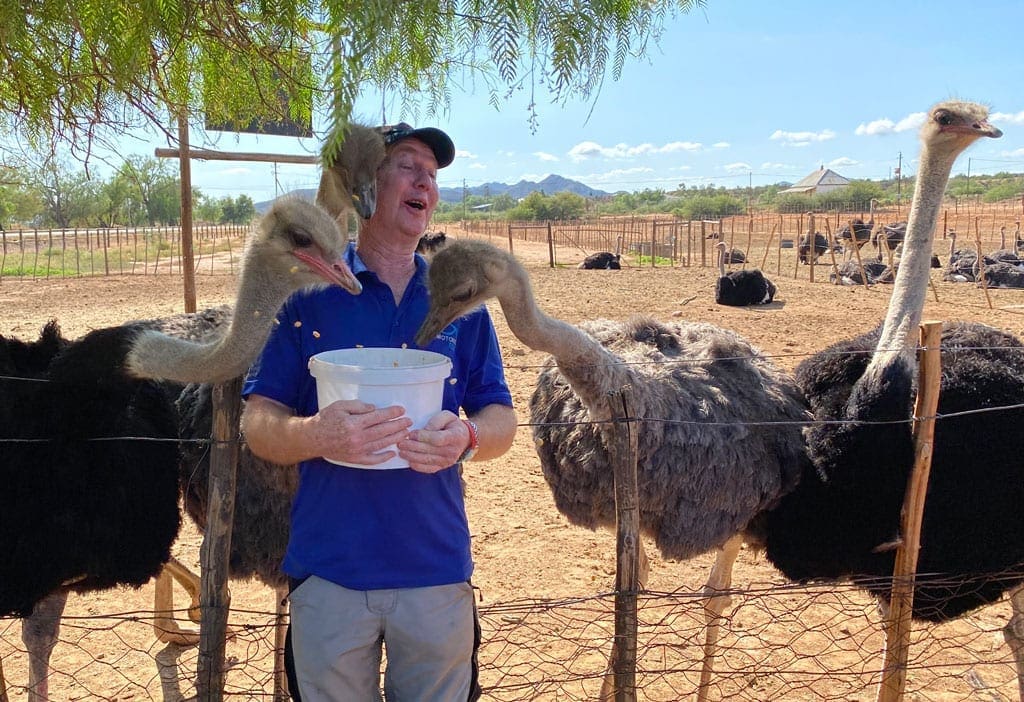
<point>376,529</point>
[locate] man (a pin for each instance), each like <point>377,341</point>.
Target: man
<point>381,556</point>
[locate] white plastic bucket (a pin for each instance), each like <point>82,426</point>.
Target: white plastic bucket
<point>383,377</point>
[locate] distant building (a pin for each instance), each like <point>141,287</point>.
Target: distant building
<point>823,180</point>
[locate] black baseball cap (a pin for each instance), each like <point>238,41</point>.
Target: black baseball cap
<point>439,142</point>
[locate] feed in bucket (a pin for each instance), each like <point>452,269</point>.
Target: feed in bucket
<point>411,378</point>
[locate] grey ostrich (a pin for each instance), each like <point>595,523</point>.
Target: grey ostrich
<point>842,521</point>
<point>116,515</point>
<point>706,465</point>
<point>348,182</point>
<point>295,245</point>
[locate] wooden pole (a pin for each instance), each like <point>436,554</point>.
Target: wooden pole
<point>832,252</point>
<point>187,259</point>
<point>768,246</point>
<point>624,451</point>
<point>897,628</point>
<point>703,244</point>
<point>856,251</point>
<point>215,553</point>
<point>750,238</point>
<point>211,155</point>
<point>551,248</point>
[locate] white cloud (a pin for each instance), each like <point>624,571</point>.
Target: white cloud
<point>462,154</point>
<point>591,149</point>
<point>477,166</point>
<point>738,167</point>
<point>721,145</point>
<point>544,156</point>
<point>1007,117</point>
<point>887,126</point>
<point>769,166</point>
<point>801,138</point>
<point>1016,153</point>
<point>842,162</point>
<point>615,175</point>
<point>237,171</point>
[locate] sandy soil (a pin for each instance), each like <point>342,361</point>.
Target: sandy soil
<point>543,584</point>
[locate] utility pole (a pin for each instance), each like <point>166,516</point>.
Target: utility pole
<point>465,195</point>
<point>899,179</point>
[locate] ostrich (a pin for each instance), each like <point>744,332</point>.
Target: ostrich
<point>704,470</point>
<point>1003,254</point>
<point>295,245</point>
<point>430,243</point>
<point>1004,275</point>
<point>890,236</point>
<point>843,517</point>
<point>741,288</point>
<point>806,253</point>
<point>963,263</point>
<point>861,230</point>
<point>83,514</point>
<point>1018,242</point>
<point>848,273</point>
<point>349,179</point>
<point>602,260</point>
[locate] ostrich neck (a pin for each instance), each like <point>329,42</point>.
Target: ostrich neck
<point>157,355</point>
<point>898,338</point>
<point>590,368</point>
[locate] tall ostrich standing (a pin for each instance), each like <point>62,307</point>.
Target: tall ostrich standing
<point>703,470</point>
<point>741,288</point>
<point>843,519</point>
<point>84,510</point>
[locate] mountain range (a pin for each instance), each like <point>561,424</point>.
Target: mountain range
<point>549,186</point>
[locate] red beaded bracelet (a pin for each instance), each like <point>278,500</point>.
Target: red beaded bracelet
<point>474,441</point>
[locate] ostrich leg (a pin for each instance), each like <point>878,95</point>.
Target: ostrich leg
<point>165,627</point>
<point>1013,633</point>
<point>720,580</point>
<point>39,632</point>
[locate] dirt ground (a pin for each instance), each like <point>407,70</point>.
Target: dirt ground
<point>544,584</point>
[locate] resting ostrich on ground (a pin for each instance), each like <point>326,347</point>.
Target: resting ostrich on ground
<point>963,263</point>
<point>703,469</point>
<point>348,181</point>
<point>843,518</point>
<point>1003,254</point>
<point>848,273</point>
<point>602,260</point>
<point>741,288</point>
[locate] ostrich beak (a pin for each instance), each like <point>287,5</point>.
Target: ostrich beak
<point>364,199</point>
<point>431,327</point>
<point>335,272</point>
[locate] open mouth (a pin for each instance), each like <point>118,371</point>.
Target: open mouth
<point>416,204</point>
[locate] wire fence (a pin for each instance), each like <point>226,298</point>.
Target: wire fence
<point>72,253</point>
<point>779,641</point>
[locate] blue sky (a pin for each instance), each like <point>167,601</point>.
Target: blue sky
<point>741,92</point>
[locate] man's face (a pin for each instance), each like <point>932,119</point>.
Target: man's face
<point>407,188</point>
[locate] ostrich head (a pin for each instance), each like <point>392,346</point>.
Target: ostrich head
<point>463,275</point>
<point>721,257</point>
<point>349,177</point>
<point>299,245</point>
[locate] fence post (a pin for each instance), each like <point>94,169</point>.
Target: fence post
<point>897,627</point>
<point>551,248</point>
<point>624,449</point>
<point>215,553</point>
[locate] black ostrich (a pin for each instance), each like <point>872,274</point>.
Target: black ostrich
<point>889,236</point>
<point>741,288</point>
<point>602,260</point>
<point>88,509</point>
<point>91,486</point>
<point>703,473</point>
<point>857,231</point>
<point>843,519</point>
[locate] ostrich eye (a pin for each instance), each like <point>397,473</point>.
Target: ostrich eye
<point>464,295</point>
<point>300,238</point>
<point>944,118</point>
